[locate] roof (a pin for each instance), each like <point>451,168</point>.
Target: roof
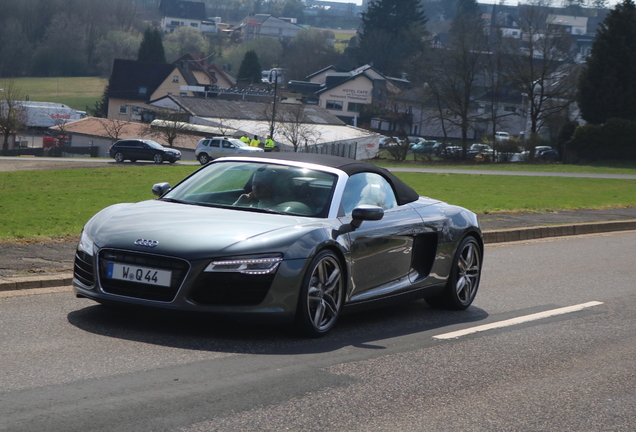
<point>129,76</point>
<point>94,127</point>
<point>404,194</point>
<point>183,9</point>
<point>245,110</point>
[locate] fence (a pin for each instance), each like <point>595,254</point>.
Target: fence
<point>348,150</point>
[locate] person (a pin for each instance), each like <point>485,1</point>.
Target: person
<point>245,138</point>
<point>262,195</point>
<point>255,142</point>
<point>269,144</point>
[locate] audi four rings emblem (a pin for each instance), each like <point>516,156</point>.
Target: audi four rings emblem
<point>146,243</point>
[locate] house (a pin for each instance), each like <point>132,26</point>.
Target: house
<point>343,94</point>
<point>176,13</point>
<point>262,25</point>
<point>133,83</point>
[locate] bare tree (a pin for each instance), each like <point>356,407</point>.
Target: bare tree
<point>12,112</point>
<point>458,69</point>
<point>539,66</point>
<point>294,125</point>
<point>112,128</point>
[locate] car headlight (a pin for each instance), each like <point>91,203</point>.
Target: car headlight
<point>256,264</point>
<point>86,244</point>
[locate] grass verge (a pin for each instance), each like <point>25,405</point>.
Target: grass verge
<point>41,205</point>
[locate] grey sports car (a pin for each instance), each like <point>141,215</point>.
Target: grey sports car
<point>288,237</point>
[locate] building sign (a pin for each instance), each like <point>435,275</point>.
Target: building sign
<point>352,94</point>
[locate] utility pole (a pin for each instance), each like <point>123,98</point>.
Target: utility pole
<point>273,72</point>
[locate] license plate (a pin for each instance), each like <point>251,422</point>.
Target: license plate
<point>144,275</point>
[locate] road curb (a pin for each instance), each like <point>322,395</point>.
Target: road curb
<point>490,237</point>
<point>539,232</point>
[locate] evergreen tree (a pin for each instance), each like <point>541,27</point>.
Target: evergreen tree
<point>392,32</point>
<point>607,87</point>
<point>151,48</point>
<point>250,69</point>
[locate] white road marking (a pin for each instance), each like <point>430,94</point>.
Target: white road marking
<point>518,320</point>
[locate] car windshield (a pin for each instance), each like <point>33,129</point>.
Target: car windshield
<point>261,187</point>
<point>153,144</point>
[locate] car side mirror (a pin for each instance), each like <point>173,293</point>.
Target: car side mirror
<point>160,188</point>
<point>366,213</point>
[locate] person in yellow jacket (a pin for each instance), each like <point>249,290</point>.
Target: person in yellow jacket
<point>269,144</point>
<point>255,142</point>
<point>245,138</point>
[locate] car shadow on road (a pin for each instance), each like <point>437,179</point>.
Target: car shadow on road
<point>205,333</point>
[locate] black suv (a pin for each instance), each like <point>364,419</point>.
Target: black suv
<point>137,149</point>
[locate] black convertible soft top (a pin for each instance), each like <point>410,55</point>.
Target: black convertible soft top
<point>404,194</point>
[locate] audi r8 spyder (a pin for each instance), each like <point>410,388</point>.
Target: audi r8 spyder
<point>288,237</point>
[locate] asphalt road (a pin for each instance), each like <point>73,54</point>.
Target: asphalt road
<point>71,365</point>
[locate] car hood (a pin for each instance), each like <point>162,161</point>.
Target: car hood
<point>192,231</point>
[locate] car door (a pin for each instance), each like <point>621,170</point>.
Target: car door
<point>214,149</point>
<point>228,147</point>
<point>380,251</point>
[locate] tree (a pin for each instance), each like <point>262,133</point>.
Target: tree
<point>392,32</point>
<point>151,48</point>
<point>607,87</point>
<point>458,69</point>
<point>540,68</point>
<point>116,44</point>
<point>172,125</point>
<point>250,70</point>
<point>296,127</point>
<point>184,40</point>
<point>113,128</point>
<point>313,48</point>
<point>11,111</point>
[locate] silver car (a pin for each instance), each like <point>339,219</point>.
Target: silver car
<point>283,237</point>
<point>212,148</point>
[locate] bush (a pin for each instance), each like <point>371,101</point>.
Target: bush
<point>611,140</point>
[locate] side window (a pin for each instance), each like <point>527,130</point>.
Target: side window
<point>215,143</point>
<point>205,143</point>
<point>227,145</point>
<point>367,188</point>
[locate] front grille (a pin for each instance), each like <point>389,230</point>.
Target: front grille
<point>231,289</point>
<point>83,269</point>
<point>178,267</point>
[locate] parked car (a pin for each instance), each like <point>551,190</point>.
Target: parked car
<point>502,136</point>
<point>214,147</point>
<point>425,146</point>
<point>540,152</point>
<point>138,149</point>
<point>285,237</point>
<point>386,141</point>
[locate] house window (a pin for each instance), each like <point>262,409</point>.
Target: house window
<point>143,90</point>
<point>175,78</point>
<point>174,23</point>
<point>334,105</point>
<point>354,107</point>
<point>123,109</point>
<point>194,25</point>
<point>183,94</point>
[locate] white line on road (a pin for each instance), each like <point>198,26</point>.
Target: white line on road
<point>518,320</point>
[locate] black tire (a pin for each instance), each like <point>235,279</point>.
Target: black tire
<point>203,158</point>
<point>158,158</point>
<point>464,277</point>
<point>321,295</point>
<point>119,157</point>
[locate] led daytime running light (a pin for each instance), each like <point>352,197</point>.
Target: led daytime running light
<point>247,266</point>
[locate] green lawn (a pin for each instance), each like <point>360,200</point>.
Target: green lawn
<point>36,205</point>
<point>603,167</point>
<point>78,93</point>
